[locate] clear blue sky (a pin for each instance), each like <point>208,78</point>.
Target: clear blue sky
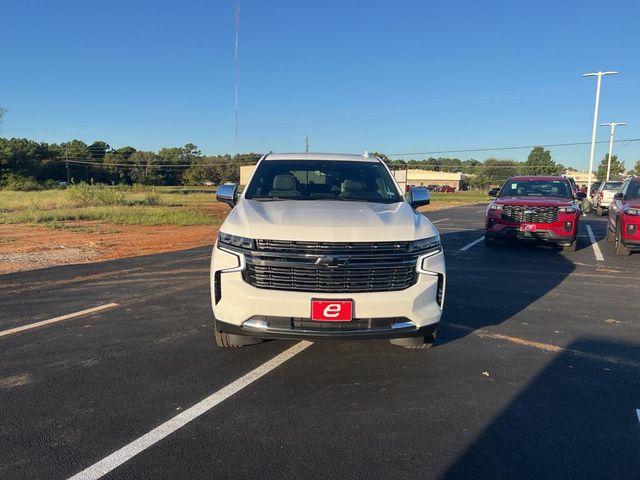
<point>404,76</point>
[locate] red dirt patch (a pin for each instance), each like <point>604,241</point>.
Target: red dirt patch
<point>26,247</point>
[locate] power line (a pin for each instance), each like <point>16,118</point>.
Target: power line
<point>519,147</point>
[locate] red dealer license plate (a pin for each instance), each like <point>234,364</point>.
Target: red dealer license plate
<point>528,227</point>
<point>331,310</point>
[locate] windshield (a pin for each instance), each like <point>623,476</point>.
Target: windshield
<point>611,186</point>
<point>538,188</point>
<point>322,180</point>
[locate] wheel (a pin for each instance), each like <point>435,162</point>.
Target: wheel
<point>611,236</point>
<point>621,250</point>
<point>571,247</point>
<point>600,211</point>
<point>490,242</point>
<point>229,340</point>
<point>417,343</point>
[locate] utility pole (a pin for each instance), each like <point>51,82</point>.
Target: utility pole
<point>306,144</point>
<point>598,74</point>
<point>66,157</point>
<point>613,126</point>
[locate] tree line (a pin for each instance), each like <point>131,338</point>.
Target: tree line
<point>26,164</point>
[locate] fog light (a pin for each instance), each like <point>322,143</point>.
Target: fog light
<point>440,294</point>
<point>631,229</point>
<point>568,226</point>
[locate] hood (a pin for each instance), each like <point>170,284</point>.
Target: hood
<point>329,221</point>
<point>534,201</point>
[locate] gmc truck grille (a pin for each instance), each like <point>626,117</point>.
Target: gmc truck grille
<point>519,214</point>
<point>331,267</point>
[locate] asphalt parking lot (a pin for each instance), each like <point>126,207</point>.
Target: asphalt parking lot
<point>535,374</point>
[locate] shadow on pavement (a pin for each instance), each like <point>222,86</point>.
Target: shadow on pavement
<point>576,420</point>
<point>487,286</point>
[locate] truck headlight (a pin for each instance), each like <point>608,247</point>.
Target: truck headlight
<point>234,241</point>
<point>495,206</point>
<point>570,209</point>
<point>632,211</point>
<point>429,245</point>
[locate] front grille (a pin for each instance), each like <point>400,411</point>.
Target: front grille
<point>346,267</point>
<point>519,214</point>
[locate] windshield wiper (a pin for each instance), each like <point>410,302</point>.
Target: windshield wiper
<point>267,198</point>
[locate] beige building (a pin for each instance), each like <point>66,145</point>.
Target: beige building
<point>245,173</point>
<point>581,178</point>
<point>429,177</point>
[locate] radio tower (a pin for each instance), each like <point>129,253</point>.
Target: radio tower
<point>235,71</point>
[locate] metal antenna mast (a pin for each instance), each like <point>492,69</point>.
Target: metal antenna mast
<point>236,68</point>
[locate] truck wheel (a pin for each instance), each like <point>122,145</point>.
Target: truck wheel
<point>490,242</point>
<point>229,340</point>
<point>417,343</point>
<point>611,236</point>
<point>571,247</point>
<point>600,211</point>
<point>621,250</point>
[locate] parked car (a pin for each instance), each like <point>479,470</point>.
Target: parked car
<point>623,226</point>
<point>448,189</point>
<point>324,245</point>
<point>604,196</point>
<point>535,208</point>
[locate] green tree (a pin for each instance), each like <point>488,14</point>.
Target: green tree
<point>494,172</point>
<point>617,168</point>
<point>540,162</point>
<point>635,170</point>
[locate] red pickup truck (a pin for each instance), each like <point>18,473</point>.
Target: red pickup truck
<point>535,208</point>
<point>624,218</point>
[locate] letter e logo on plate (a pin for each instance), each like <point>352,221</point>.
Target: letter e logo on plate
<point>331,310</point>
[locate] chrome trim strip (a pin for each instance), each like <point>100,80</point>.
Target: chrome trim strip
<point>262,326</point>
<point>241,260</point>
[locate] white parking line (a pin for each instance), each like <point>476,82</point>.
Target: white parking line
<point>127,452</point>
<point>594,244</point>
<point>69,316</point>
<point>469,245</point>
<point>442,220</point>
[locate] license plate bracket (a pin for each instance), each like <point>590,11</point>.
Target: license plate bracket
<point>331,310</point>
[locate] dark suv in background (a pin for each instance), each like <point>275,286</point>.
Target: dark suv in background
<point>535,208</point>
<point>624,218</point>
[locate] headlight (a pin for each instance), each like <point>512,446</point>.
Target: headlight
<point>425,245</point>
<point>632,211</point>
<point>571,209</point>
<point>236,241</point>
<point>495,206</point>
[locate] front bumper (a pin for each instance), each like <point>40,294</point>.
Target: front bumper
<point>241,308</point>
<point>496,227</point>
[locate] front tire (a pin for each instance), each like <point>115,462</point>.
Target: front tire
<point>611,236</point>
<point>621,250</point>
<point>490,242</point>
<point>229,340</point>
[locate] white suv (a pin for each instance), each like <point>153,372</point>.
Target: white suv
<point>324,245</point>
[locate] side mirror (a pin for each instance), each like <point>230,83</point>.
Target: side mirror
<point>618,196</point>
<point>228,193</point>
<point>581,195</point>
<point>493,193</point>
<point>418,197</point>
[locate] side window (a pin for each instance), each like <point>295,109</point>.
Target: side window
<point>624,189</point>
